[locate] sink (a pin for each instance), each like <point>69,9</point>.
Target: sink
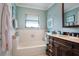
<point>68,37</point>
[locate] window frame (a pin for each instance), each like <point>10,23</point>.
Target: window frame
<point>31,20</point>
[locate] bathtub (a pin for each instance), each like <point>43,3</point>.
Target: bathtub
<point>30,46</point>
<point>37,48</point>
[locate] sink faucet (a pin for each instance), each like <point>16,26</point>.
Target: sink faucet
<point>72,34</point>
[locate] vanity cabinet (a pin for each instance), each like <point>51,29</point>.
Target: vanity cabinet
<point>61,47</point>
<point>75,49</point>
<point>50,50</point>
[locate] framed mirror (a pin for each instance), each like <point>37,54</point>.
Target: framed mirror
<point>70,14</point>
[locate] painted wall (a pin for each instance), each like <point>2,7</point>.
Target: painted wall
<point>55,12</point>
<point>21,12</point>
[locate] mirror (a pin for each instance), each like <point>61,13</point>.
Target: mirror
<point>70,14</point>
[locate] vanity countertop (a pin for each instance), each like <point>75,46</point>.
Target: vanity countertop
<point>65,37</point>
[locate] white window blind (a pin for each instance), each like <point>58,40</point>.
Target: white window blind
<point>32,21</point>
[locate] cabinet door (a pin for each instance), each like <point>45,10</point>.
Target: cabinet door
<point>75,49</point>
<point>56,48</point>
<point>65,51</point>
<point>75,52</point>
<point>63,48</point>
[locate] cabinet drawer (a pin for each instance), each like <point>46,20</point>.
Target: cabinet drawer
<point>63,42</point>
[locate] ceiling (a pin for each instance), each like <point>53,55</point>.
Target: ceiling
<point>41,6</point>
<point>70,6</point>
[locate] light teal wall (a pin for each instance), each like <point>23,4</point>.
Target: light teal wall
<point>13,10</point>
<point>21,12</point>
<point>55,12</point>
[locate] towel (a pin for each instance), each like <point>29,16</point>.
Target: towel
<point>6,28</point>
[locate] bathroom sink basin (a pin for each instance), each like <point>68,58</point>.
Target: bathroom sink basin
<point>67,37</point>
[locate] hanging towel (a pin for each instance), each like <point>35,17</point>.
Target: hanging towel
<point>6,28</point>
<point>1,7</point>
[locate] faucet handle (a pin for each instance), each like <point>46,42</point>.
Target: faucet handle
<point>68,33</point>
<point>72,34</point>
<point>77,35</point>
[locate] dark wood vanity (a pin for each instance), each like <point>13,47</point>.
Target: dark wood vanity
<point>58,46</point>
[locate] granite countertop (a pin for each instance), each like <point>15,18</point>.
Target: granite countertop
<point>65,37</point>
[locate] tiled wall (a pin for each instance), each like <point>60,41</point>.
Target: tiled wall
<point>31,37</point>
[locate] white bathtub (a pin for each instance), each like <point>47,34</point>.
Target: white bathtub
<point>30,46</point>
<point>36,49</point>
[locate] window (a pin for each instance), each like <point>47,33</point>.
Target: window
<point>32,21</point>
